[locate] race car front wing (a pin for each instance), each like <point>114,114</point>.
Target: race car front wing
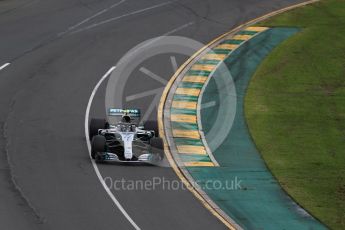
<point>103,157</point>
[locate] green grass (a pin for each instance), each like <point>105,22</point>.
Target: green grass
<point>295,108</point>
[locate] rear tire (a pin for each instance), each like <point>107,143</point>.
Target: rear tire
<point>157,147</point>
<point>95,125</point>
<point>157,143</point>
<point>98,144</point>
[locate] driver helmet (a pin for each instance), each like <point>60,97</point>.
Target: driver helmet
<point>126,118</point>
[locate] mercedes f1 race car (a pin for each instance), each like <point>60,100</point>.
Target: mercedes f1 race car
<point>122,139</point>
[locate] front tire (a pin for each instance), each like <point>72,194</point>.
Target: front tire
<point>157,143</point>
<point>152,125</point>
<point>95,125</point>
<point>98,144</point>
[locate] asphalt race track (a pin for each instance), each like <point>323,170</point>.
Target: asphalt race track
<point>59,50</point>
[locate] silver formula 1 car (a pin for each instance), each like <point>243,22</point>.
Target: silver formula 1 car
<point>122,139</point>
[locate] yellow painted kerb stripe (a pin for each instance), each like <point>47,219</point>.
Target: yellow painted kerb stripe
<point>183,118</point>
<point>199,163</point>
<point>191,149</point>
<point>256,28</point>
<point>188,91</point>
<point>196,79</point>
<point>184,104</point>
<point>201,67</point>
<point>211,56</point>
<point>194,134</point>
<point>227,46</point>
<point>242,37</point>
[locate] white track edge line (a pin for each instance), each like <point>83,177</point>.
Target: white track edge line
<point>4,66</point>
<point>100,178</point>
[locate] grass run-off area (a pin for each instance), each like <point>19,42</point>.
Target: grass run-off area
<point>295,109</point>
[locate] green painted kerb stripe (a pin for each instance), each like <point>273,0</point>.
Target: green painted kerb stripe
<point>222,51</point>
<point>182,125</point>
<point>188,141</point>
<point>207,62</point>
<point>247,32</point>
<point>193,85</point>
<point>232,41</point>
<point>194,157</point>
<point>183,111</point>
<point>198,72</point>
<point>179,97</point>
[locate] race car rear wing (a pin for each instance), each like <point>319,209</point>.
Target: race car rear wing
<point>121,112</point>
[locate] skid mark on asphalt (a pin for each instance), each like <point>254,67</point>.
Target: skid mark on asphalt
<point>91,17</point>
<point>21,6</point>
<point>121,16</point>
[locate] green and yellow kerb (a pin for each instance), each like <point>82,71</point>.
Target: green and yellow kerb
<point>184,121</point>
